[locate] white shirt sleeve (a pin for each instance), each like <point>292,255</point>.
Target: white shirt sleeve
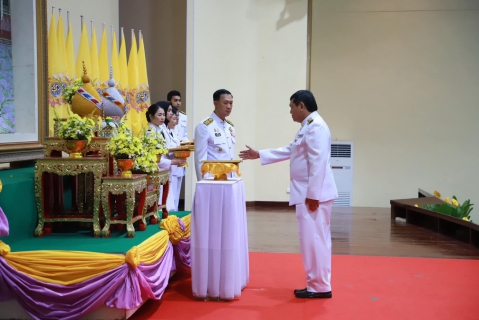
<point>269,156</point>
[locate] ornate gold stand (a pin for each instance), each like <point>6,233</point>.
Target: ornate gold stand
<point>97,166</point>
<point>117,185</point>
<point>151,208</point>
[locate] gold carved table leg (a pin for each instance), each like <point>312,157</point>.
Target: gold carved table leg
<point>130,207</point>
<point>40,201</point>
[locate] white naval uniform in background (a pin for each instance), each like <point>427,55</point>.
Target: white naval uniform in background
<point>182,126</point>
<point>311,177</point>
<point>214,140</point>
<point>176,173</point>
<point>165,164</point>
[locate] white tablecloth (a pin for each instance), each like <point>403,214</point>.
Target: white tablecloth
<point>219,240</point>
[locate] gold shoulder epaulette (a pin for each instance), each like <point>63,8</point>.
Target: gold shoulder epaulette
<point>231,123</point>
<point>183,112</point>
<point>208,121</point>
<point>310,120</point>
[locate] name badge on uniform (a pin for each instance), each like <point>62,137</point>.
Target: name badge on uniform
<point>217,134</point>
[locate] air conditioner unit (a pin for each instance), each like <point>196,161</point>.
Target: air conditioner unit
<point>342,166</point>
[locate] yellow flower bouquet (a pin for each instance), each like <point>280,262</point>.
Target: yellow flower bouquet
<point>124,145</point>
<point>153,145</point>
<point>451,207</point>
<point>77,128</point>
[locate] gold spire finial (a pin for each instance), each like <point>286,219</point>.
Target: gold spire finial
<point>85,78</point>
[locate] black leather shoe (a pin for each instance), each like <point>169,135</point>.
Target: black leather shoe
<point>300,290</point>
<point>308,294</point>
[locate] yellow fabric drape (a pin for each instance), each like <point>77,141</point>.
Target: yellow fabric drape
<point>172,226</point>
<point>71,267</point>
<point>187,223</point>
<point>218,169</point>
<point>63,267</point>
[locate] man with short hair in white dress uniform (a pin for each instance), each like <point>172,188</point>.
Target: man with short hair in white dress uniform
<point>215,136</point>
<point>312,190</point>
<point>174,98</point>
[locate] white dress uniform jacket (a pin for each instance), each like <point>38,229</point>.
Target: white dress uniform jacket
<point>176,173</point>
<point>310,171</point>
<point>182,126</point>
<point>311,177</point>
<point>214,140</point>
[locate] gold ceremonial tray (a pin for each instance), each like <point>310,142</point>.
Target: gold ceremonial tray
<point>187,143</point>
<point>221,161</point>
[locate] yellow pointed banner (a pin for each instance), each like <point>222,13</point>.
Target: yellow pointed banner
<point>133,112</point>
<point>83,56</point>
<point>143,95</point>
<point>123,79</point>
<point>70,53</point>
<point>115,64</point>
<point>94,72</point>
<point>54,84</point>
<point>62,109</point>
<point>144,90</point>
<point>103,61</point>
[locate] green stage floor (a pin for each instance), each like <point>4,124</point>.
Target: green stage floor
<point>18,203</point>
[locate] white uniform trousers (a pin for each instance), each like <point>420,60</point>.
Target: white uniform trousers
<point>315,240</point>
<point>175,188</point>
<point>170,200</point>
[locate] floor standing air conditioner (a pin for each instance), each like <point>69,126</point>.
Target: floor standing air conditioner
<point>342,166</point>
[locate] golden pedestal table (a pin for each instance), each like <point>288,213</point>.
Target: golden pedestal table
<point>48,209</point>
<point>117,185</point>
<point>155,181</point>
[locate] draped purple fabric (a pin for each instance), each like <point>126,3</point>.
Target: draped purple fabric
<point>3,224</point>
<point>124,288</point>
<point>182,254</point>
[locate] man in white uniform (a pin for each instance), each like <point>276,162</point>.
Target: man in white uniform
<point>215,135</point>
<point>174,98</point>
<point>312,190</point>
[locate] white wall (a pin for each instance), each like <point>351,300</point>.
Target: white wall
<point>401,79</point>
<point>258,51</point>
<point>104,11</point>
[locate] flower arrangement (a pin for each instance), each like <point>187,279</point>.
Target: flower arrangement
<point>153,145</point>
<point>77,128</point>
<point>451,207</point>
<point>69,91</point>
<point>145,163</point>
<point>124,145</point>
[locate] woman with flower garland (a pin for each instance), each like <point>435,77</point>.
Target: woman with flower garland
<point>173,141</point>
<point>155,115</point>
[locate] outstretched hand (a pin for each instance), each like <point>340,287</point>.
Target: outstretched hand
<point>249,154</point>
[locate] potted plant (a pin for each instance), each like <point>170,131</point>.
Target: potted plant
<point>125,148</point>
<point>451,207</point>
<point>77,132</point>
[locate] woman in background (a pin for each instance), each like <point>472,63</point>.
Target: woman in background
<point>177,173</point>
<point>155,115</point>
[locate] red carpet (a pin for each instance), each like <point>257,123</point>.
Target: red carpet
<point>363,288</point>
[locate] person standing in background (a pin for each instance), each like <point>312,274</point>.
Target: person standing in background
<point>176,173</point>
<point>174,98</point>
